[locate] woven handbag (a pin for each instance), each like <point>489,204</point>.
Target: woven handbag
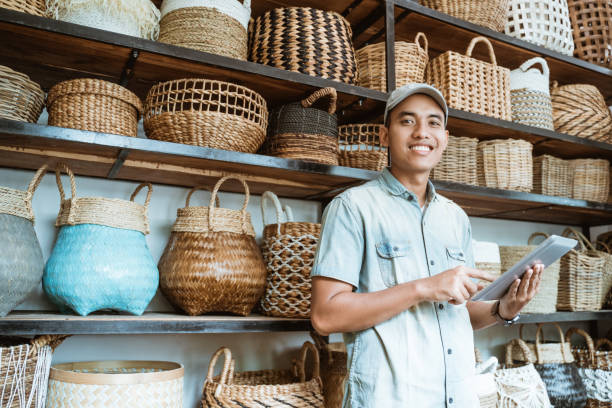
<point>484,381</point>
<point>472,85</point>
<point>410,62</point>
<point>306,40</point>
<point>288,250</point>
<point>529,95</point>
<point>552,176</point>
<point>333,362</point>
<point>300,131</point>
<point>359,146</point>
<point>506,164</point>
<point>212,262</point>
<point>606,282</point>
<point>36,7</point>
<point>592,29</point>
<point>591,179</point>
<point>20,98</point>
<point>265,388</point>
<point>459,162</point>
<point>487,13</point>
<point>206,113</point>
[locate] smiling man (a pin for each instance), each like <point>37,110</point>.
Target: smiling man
<point>394,273</point>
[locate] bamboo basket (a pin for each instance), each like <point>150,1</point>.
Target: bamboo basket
<point>506,164</point>
<point>36,7</point>
<point>552,176</point>
<point>459,162</point>
<point>591,179</point>
<point>487,13</point>
<point>333,362</point>
<point>20,98</point>
<point>359,146</point>
<point>592,29</point>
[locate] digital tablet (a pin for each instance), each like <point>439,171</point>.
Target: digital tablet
<point>548,252</point>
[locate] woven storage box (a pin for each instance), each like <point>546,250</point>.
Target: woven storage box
<point>591,179</point>
<point>333,362</point>
<point>529,94</point>
<point>36,7</point>
<point>458,163</point>
<point>410,62</point>
<point>120,384</point>
<point>484,381</point>
<point>92,104</point>
<point>306,40</point>
<point>505,164</point>
<point>270,388</point>
<point>488,13</point>
<point>359,146</point>
<point>552,176</point>
<point>592,29</point>
<point>215,26</point>
<point>288,250</point>
<point>206,113</point>
<point>472,85</point>
<point>212,262</point>
<point>301,131</point>
<point>20,98</point>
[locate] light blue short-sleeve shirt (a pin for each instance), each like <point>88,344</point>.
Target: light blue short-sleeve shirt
<point>376,236</point>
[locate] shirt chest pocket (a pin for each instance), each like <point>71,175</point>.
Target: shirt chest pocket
<point>392,261</point>
<point>454,257</point>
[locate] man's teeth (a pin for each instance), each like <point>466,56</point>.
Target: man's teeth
<point>421,148</point>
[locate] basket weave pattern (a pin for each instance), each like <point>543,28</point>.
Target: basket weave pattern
<point>20,98</point>
<point>360,147</point>
<point>531,108</point>
<point>591,179</point>
<point>487,13</point>
<point>505,164</point>
<point>459,161</point>
<point>36,7</point>
<point>552,176</point>
<point>592,28</point>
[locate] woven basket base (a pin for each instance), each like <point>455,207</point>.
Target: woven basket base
<point>363,159</point>
<point>313,148</point>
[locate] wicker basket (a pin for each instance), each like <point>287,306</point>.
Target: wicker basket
<point>459,162</point>
<point>541,22</point>
<point>333,362</point>
<point>288,251</point>
<point>306,40</point>
<point>592,29</point>
<point>472,85</point>
<point>96,105</point>
<point>606,282</point>
<point>531,108</point>
<point>117,384</point>
<point>207,113</point>
<point>360,147</point>
<point>546,352</point>
<point>410,62</point>
<point>487,13</point>
<point>36,7</point>
<point>20,98</point>
<point>505,164</point>
<point>300,131</point>
<point>552,176</point>
<point>591,179</point>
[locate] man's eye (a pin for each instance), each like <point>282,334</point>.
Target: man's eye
<point>435,123</point>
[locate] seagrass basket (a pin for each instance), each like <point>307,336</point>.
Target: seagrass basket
<point>206,113</point>
<point>20,98</point>
<point>591,179</point>
<point>592,29</point>
<point>529,94</point>
<point>505,164</point>
<point>36,7</point>
<point>552,176</point>
<point>359,146</point>
<point>487,13</point>
<point>333,362</point>
<point>459,161</point>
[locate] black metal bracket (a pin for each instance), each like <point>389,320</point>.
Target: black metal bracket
<point>123,154</point>
<point>128,68</point>
<point>390,43</point>
<point>351,7</point>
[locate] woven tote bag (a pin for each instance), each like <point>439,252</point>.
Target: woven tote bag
<point>359,146</point>
<point>212,262</point>
<point>592,29</point>
<point>487,13</point>
<point>36,7</point>
<point>606,282</point>
<point>333,363</point>
<point>459,162</point>
<point>506,164</point>
<point>590,179</point>
<point>20,98</point>
<point>529,94</point>
<point>484,381</point>
<point>552,176</point>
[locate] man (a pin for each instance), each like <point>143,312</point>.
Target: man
<point>394,273</point>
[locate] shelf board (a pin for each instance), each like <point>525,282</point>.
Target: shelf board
<point>566,317</point>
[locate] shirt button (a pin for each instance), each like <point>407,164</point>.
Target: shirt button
<point>395,248</point>
<point>450,351</point>
<point>450,400</point>
<point>432,263</point>
<point>441,306</point>
<point>409,198</point>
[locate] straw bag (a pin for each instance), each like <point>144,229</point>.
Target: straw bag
<point>529,95</point>
<point>138,18</point>
<point>269,388</point>
<point>20,98</point>
<point>606,282</point>
<point>96,105</point>
<point>472,85</point>
<point>306,40</point>
<point>592,29</point>
<point>459,162</point>
<point>36,7</point>
<point>212,262</point>
<point>591,179</point>
<point>288,251</point>
<point>360,147</point>
<point>488,13</point>
<point>552,176</point>
<point>215,26</point>
<point>333,362</point>
<point>300,131</point>
<point>206,113</point>
<point>117,384</point>
<point>505,164</point>
<point>98,235</point>
<point>580,276</point>
<point>541,22</point>
<point>484,381</point>
<point>486,258</point>
<point>410,62</point>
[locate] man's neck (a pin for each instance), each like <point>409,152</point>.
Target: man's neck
<point>415,182</point>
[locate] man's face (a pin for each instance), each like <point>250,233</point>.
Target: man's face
<point>416,136</point>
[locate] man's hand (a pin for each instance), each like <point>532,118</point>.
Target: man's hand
<point>521,292</point>
<point>454,285</point>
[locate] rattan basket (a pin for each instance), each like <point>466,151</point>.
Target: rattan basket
<point>36,7</point>
<point>591,179</point>
<point>306,40</point>
<point>531,108</point>
<point>206,113</point>
<point>592,29</point>
<point>543,351</point>
<point>359,146</point>
<point>410,62</point>
<point>487,13</point>
<point>333,362</point>
<point>459,162</point>
<point>552,176</point>
<point>20,98</point>
<point>472,85</point>
<point>505,164</point>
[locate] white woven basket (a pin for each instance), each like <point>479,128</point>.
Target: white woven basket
<point>528,77</point>
<point>233,8</point>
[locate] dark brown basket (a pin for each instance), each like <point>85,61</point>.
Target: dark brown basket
<point>592,29</point>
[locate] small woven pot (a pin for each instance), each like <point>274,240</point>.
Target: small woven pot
<point>592,29</point>
<point>459,162</point>
<point>591,179</point>
<point>20,98</point>
<point>333,362</point>
<point>487,13</point>
<point>359,146</point>
<point>36,7</point>
<point>212,262</point>
<point>92,104</point>
<point>410,62</point>
<point>552,176</point>
<point>505,164</point>
<point>206,113</point>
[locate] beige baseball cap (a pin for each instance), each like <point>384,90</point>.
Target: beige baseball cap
<point>407,90</point>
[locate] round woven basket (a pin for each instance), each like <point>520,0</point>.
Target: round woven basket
<point>20,98</point>
<point>306,40</point>
<point>206,113</point>
<point>359,146</point>
<point>506,164</point>
<point>552,176</point>
<point>333,362</point>
<point>487,13</point>
<point>591,179</point>
<point>459,162</point>
<point>531,108</point>
<point>36,7</point>
<point>592,29</point>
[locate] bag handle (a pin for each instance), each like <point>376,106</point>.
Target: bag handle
<point>425,45</point>
<point>149,191</point>
<point>605,246</point>
<point>34,183</point>
<point>61,166</point>
<point>268,195</point>
<point>584,242</point>
<point>322,345</point>
<point>198,188</point>
<point>535,235</point>
<point>537,60</point>
<point>226,372</point>
<point>301,364</point>
<point>589,341</point>
<point>603,342</point>
<point>51,340</point>
<point>329,93</point>
<point>213,198</point>
<point>475,41</point>
<point>522,346</point>
<point>540,335</point>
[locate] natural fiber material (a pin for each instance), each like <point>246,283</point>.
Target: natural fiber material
<point>458,163</point>
<point>531,108</point>
<point>20,98</point>
<point>18,202</point>
<point>552,176</point>
<point>546,352</point>
<point>360,147</point>
<point>592,29</point>
<point>529,77</point>
<point>606,282</point>
<point>488,13</point>
<point>239,10</point>
<point>591,179</point>
<point>207,113</point>
<point>410,62</point>
<point>306,40</point>
<point>36,7</point>
<point>472,85</point>
<point>505,164</point>
<point>333,362</point>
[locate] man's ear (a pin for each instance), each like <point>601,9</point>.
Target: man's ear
<point>383,135</point>
<point>445,139</point>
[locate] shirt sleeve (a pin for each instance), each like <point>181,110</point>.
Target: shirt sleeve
<point>340,250</point>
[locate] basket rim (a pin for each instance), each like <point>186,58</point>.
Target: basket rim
<point>8,73</point>
<point>65,372</point>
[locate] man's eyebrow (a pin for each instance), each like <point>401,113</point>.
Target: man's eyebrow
<point>408,113</point>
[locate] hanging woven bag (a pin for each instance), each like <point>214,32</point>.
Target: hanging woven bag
<point>487,13</point>
<point>359,146</point>
<point>20,98</point>
<point>592,29</point>
<point>333,362</point>
<point>484,381</point>
<point>529,95</point>
<point>36,7</point>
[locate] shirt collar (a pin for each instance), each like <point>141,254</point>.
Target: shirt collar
<point>394,187</point>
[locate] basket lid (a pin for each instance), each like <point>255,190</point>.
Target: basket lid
<point>116,372</point>
<point>18,202</point>
<point>13,76</point>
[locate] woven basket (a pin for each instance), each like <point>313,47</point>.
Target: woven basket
<point>541,22</point>
<point>20,98</point>
<point>96,105</point>
<point>269,388</point>
<point>505,164</point>
<point>333,362</point>
<point>487,13</point>
<point>459,162</point>
<point>606,282</point>
<point>592,29</point>
<point>306,40</point>
<point>580,110</point>
<point>36,7</point>
<point>552,176</point>
<point>212,262</point>
<point>545,352</point>
<point>288,250</point>
<point>484,381</point>
<point>300,131</point>
<point>472,85</point>
<point>207,113</point>
<point>529,95</point>
<point>410,62</point>
<point>591,179</point>
<point>120,384</point>
<point>360,147</point>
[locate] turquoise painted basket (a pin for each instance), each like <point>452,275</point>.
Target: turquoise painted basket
<point>100,259</point>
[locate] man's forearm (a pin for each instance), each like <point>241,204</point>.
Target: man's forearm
<point>480,314</point>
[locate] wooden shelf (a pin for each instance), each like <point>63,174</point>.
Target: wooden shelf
<point>566,317</point>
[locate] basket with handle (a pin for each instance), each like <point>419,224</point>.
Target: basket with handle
<point>20,98</point>
<point>552,176</point>
<point>487,13</point>
<point>529,94</point>
<point>359,146</point>
<point>333,362</point>
<point>459,161</point>
<point>592,29</point>
<point>590,179</point>
<point>506,164</point>
<point>36,7</point>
